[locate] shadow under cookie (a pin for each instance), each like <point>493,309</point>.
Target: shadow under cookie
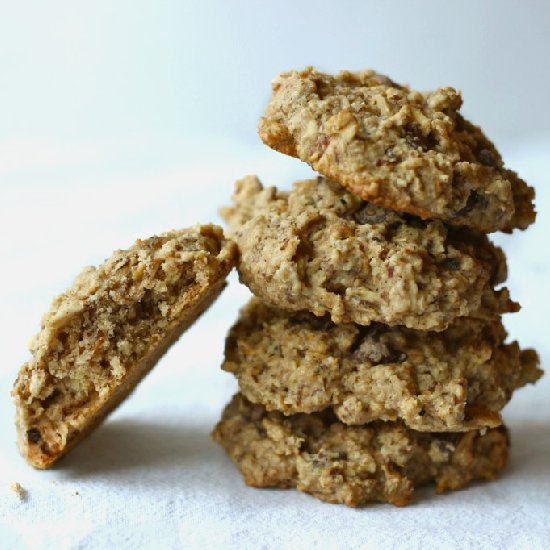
<point>126,445</point>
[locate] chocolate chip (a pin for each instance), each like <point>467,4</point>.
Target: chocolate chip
<point>475,200</point>
<point>421,412</point>
<point>51,399</point>
<point>487,158</point>
<point>376,351</point>
<point>417,140</point>
<point>34,435</point>
<point>146,306</point>
<point>470,203</point>
<point>451,264</point>
<point>370,214</point>
<point>430,141</point>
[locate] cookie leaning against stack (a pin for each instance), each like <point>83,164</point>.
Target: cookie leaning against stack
<point>105,333</point>
<point>373,358</point>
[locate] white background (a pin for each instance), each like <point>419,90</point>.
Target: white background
<point>122,119</point>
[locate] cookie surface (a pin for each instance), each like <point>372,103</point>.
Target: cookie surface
<point>383,461</point>
<point>455,380</point>
<point>322,249</point>
<point>108,330</point>
<point>396,148</point>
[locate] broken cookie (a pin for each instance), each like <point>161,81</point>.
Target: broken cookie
<point>101,337</point>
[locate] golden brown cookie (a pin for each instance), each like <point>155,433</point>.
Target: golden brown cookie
<point>353,465</point>
<point>396,148</point>
<point>108,330</point>
<point>322,249</point>
<point>455,380</point>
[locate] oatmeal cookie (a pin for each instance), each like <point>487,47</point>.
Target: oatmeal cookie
<point>396,148</point>
<point>353,465</point>
<point>322,249</point>
<point>455,380</point>
<point>108,330</point>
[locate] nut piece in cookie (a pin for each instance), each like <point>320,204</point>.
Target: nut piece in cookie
<point>353,465</point>
<point>101,336</point>
<point>322,249</point>
<point>456,380</point>
<point>396,148</point>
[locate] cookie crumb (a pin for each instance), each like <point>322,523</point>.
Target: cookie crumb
<point>18,490</point>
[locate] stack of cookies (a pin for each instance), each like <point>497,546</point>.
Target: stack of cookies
<point>373,358</point>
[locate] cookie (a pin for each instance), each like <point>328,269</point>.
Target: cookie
<point>396,148</point>
<point>322,249</point>
<point>455,380</point>
<point>353,465</point>
<point>108,330</point>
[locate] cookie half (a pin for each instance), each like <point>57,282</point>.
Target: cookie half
<point>322,249</point>
<point>108,330</point>
<point>396,148</point>
<point>455,380</point>
<point>336,463</point>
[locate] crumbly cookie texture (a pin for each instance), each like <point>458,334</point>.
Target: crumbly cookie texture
<point>353,465</point>
<point>322,249</point>
<point>396,148</point>
<point>455,380</point>
<point>108,330</point>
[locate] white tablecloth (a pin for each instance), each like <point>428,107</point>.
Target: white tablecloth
<point>150,476</point>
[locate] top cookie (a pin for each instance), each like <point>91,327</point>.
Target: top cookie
<point>396,148</point>
<point>101,336</point>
